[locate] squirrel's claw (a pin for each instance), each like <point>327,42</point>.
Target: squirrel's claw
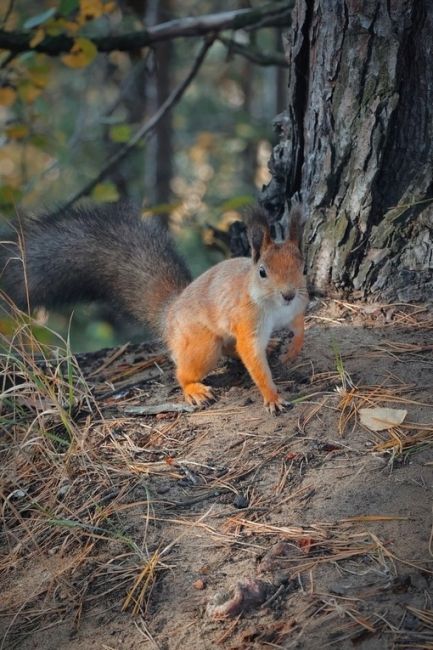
<point>198,394</point>
<point>289,355</point>
<point>276,406</point>
<point>292,351</point>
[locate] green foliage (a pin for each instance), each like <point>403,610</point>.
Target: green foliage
<point>39,19</point>
<point>62,117</point>
<point>105,193</point>
<point>120,132</point>
<point>237,202</point>
<point>66,7</point>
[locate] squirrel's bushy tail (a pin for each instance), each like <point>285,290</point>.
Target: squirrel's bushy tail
<point>100,252</point>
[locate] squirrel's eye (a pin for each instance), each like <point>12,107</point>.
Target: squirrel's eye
<point>262,272</point>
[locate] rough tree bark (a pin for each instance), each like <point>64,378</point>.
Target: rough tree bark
<point>357,141</point>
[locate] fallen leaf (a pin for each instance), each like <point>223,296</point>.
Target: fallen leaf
<point>305,544</point>
<point>381,418</point>
<point>293,455</point>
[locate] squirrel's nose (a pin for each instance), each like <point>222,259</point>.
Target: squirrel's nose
<point>289,295</point>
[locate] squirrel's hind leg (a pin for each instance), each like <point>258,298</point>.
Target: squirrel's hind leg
<point>196,354</point>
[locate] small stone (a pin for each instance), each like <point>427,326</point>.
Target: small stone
<point>163,488</point>
<point>199,584</point>
<point>17,494</point>
<point>240,501</point>
<point>63,490</point>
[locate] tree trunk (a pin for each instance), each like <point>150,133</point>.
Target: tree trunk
<point>357,141</point>
<point>164,130</point>
<point>160,148</point>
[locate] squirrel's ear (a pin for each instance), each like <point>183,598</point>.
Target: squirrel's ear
<point>296,220</point>
<point>258,232</point>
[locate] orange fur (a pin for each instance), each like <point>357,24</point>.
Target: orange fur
<point>297,341</point>
<point>232,308</point>
<point>110,253</point>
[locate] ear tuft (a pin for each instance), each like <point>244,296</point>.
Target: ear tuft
<point>297,220</point>
<point>258,231</point>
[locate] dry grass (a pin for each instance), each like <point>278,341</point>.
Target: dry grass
<point>61,498</point>
<point>391,393</point>
<point>83,528</point>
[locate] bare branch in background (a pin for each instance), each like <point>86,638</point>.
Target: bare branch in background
<point>253,54</point>
<point>7,13</point>
<point>273,14</point>
<point>146,129</point>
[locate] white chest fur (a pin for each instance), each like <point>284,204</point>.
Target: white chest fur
<point>276,317</point>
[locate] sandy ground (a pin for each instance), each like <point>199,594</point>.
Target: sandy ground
<point>229,528</point>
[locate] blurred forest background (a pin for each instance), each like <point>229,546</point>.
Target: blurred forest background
<point>65,116</point>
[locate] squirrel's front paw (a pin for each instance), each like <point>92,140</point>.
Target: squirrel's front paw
<point>288,356</point>
<point>293,349</point>
<point>198,394</point>
<point>273,344</point>
<point>277,405</point>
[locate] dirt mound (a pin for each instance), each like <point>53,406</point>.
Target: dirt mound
<point>227,527</point>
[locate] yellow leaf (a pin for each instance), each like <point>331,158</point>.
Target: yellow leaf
<point>28,92</point>
<point>9,194</point>
<point>105,192</point>
<point>7,96</point>
<point>120,132</point>
<point>38,37</point>
<point>90,9</point>
<point>7,326</point>
<point>39,78</point>
<point>17,131</point>
<point>60,25</point>
<point>81,55</point>
<point>70,26</point>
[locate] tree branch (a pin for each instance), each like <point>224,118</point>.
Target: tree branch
<point>272,14</point>
<point>253,54</point>
<point>7,13</point>
<point>146,129</point>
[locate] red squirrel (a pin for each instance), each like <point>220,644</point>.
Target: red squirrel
<point>111,253</point>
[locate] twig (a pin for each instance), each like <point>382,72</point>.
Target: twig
<point>273,597</point>
<point>10,57</point>
<point>270,14</point>
<point>253,54</point>
<point>154,409</point>
<point>430,542</point>
<point>145,130</point>
<point>7,13</point>
<point>109,360</point>
<point>187,503</point>
<point>225,635</point>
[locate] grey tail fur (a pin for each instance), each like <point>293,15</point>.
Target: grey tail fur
<point>94,253</point>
